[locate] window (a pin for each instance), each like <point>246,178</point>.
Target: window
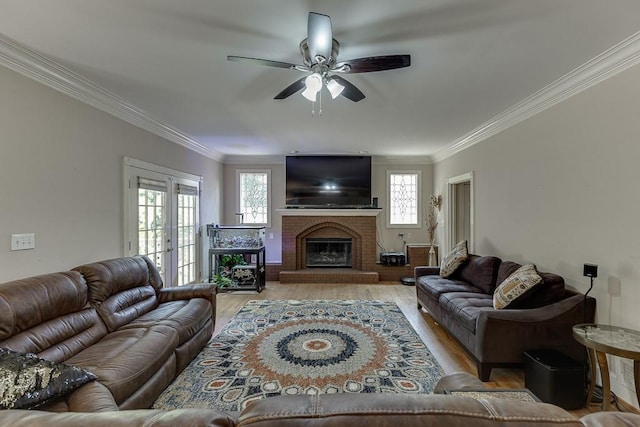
<point>253,196</point>
<point>404,203</point>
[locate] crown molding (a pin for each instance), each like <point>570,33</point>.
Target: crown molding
<point>254,160</point>
<point>402,160</point>
<point>36,66</point>
<point>609,63</point>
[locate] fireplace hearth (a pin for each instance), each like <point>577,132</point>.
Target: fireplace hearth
<point>329,252</point>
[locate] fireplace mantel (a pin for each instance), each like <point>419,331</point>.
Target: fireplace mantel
<point>329,212</point>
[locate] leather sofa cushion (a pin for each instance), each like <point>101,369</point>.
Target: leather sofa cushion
<point>549,291</point>
<point>400,410</point>
<point>122,289</point>
<point>48,315</point>
<point>91,397</point>
<point>466,306</point>
<point>480,271</point>
<point>124,360</point>
<point>139,418</point>
<point>434,286</point>
<point>187,317</point>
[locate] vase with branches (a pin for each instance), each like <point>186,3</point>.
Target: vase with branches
<point>432,224</point>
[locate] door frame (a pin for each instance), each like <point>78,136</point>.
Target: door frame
<point>451,210</point>
<point>172,176</point>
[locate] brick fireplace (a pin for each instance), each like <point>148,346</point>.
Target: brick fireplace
<point>358,225</point>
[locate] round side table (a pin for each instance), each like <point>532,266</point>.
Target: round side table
<point>601,340</point>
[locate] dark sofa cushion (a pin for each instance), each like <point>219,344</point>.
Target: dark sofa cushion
<point>549,291</point>
<point>480,271</point>
<point>434,286</point>
<point>466,306</point>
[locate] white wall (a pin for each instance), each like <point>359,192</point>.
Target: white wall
<point>387,237</point>
<point>61,177</point>
<point>560,190</point>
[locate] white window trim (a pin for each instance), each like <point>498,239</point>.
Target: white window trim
<point>419,190</point>
<point>265,171</point>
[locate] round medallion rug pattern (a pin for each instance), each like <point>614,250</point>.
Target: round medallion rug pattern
<point>305,347</point>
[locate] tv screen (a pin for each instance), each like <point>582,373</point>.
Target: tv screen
<point>328,181</point>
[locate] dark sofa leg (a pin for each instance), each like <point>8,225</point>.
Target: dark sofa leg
<point>419,306</point>
<point>484,371</point>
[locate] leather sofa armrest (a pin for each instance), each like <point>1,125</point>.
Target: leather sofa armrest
<point>129,418</point>
<point>508,333</point>
<point>207,291</point>
<point>425,271</point>
<point>533,315</point>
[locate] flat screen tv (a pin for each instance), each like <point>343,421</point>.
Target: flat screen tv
<point>328,181</point>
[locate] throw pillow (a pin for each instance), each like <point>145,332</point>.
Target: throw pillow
<point>454,259</point>
<point>27,381</point>
<point>515,286</point>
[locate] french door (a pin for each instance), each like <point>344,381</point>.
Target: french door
<point>162,220</point>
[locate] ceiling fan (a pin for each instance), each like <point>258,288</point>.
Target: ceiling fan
<point>320,60</point>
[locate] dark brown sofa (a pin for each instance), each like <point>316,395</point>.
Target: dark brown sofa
<point>463,304</point>
<point>113,318</point>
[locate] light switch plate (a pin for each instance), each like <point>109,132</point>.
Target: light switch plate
<point>21,242</point>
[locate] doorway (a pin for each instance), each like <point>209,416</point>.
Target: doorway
<point>460,208</point>
<point>162,218</point>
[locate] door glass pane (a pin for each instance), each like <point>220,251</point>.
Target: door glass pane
<point>186,239</point>
<point>151,222</point>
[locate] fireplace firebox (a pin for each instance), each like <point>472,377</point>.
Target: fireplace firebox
<point>329,253</point>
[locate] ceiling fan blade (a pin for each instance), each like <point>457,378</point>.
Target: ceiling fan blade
<point>376,63</point>
<point>319,36</point>
<point>291,89</point>
<point>350,91</point>
<point>266,62</point>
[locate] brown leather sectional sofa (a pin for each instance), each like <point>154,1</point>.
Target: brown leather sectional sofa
<point>114,319</point>
<point>463,304</point>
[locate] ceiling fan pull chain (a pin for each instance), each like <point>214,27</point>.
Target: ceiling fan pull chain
<point>320,103</point>
<point>313,108</point>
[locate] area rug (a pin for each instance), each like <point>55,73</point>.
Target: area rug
<point>293,347</point>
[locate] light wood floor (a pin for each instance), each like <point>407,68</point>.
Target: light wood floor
<point>451,356</point>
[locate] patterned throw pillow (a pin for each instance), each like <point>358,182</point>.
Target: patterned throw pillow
<point>26,381</point>
<point>515,286</point>
<point>454,259</point>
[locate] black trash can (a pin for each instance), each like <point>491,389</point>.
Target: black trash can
<point>555,378</point>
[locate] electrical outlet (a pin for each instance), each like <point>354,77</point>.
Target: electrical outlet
<point>626,373</point>
<point>408,235</point>
<point>21,242</point>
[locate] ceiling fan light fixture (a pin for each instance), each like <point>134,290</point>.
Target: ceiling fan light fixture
<point>335,88</point>
<point>313,84</point>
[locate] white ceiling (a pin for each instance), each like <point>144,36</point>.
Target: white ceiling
<point>472,61</point>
